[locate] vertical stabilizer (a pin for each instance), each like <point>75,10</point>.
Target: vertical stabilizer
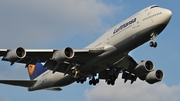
<point>35,70</point>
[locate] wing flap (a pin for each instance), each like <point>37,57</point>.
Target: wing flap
<point>23,83</point>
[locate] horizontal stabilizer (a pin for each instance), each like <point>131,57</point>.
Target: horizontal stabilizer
<point>23,83</point>
<point>54,89</point>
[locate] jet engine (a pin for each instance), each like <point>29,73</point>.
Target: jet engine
<point>154,76</point>
<point>63,54</point>
<point>143,68</point>
<point>15,55</point>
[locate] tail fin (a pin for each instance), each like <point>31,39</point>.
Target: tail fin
<point>35,70</point>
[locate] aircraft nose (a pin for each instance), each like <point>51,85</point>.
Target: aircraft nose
<point>165,17</point>
<point>168,14</point>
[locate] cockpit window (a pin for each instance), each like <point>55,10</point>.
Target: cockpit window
<point>154,6</point>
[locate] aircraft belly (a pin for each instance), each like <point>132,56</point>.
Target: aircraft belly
<point>52,80</point>
<point>138,38</point>
<point>64,81</point>
<point>108,63</point>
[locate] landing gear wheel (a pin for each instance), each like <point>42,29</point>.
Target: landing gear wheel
<point>112,82</point>
<point>108,82</point>
<point>82,82</point>
<point>93,81</point>
<point>153,44</point>
<point>90,82</point>
<point>97,80</point>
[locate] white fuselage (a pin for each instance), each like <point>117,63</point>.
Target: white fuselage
<point>118,41</point>
<point>50,80</point>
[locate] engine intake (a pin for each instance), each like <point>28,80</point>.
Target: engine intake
<point>63,54</point>
<point>144,67</point>
<point>15,55</point>
<point>154,76</point>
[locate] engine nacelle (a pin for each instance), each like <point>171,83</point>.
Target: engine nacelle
<point>154,76</point>
<point>15,55</point>
<point>144,67</point>
<point>63,54</point>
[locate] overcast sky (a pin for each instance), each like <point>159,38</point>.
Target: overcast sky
<point>55,24</point>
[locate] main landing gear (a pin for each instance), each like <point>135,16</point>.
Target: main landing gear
<point>112,75</point>
<point>93,81</point>
<point>153,43</point>
<point>111,80</point>
<point>77,75</point>
<point>80,78</point>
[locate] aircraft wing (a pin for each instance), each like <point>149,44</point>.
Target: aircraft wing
<point>64,57</point>
<point>127,62</point>
<point>23,83</point>
<point>34,55</point>
<point>42,55</point>
<point>144,70</point>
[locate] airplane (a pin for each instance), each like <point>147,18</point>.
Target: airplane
<point>104,59</point>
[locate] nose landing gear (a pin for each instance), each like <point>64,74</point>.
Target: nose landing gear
<point>153,43</point>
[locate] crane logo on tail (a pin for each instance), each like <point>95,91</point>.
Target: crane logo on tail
<point>31,68</point>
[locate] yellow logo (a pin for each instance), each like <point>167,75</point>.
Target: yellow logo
<point>31,68</point>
